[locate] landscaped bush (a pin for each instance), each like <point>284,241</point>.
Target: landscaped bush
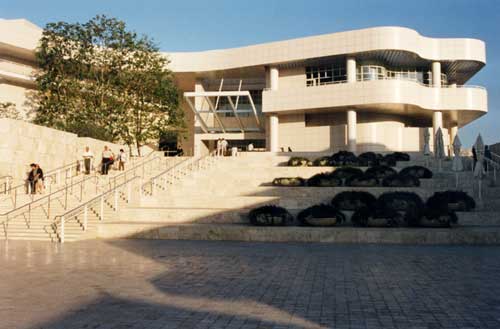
<point>324,180</point>
<point>369,158</point>
<point>298,162</point>
<point>377,216</point>
<point>322,162</point>
<point>270,216</point>
<point>426,217</point>
<point>347,172</point>
<point>344,158</point>
<point>400,156</point>
<point>401,201</point>
<point>417,171</point>
<point>387,160</point>
<point>381,172</point>
<point>364,180</point>
<point>353,200</point>
<point>289,181</point>
<point>321,215</point>
<point>399,180</point>
<point>451,201</point>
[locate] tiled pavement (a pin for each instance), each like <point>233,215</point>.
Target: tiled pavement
<point>187,285</point>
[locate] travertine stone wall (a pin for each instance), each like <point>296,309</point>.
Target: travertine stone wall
<point>22,143</point>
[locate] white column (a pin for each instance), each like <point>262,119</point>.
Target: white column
<point>273,133</point>
<point>274,75</point>
<point>351,69</point>
<point>437,121</point>
<point>351,130</point>
<point>436,74</point>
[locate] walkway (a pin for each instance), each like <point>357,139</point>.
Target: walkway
<point>230,285</point>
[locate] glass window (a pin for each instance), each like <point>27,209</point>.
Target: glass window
<point>324,75</point>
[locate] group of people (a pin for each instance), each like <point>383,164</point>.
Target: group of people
<point>35,179</point>
<point>108,158</point>
<point>222,145</point>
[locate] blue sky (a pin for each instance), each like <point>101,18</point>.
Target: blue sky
<point>206,24</point>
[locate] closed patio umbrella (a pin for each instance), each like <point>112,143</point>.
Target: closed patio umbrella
<point>479,169</point>
<point>439,147</point>
<point>427,137</point>
<point>457,164</point>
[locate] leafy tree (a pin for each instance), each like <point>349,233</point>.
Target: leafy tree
<point>8,110</point>
<point>100,80</point>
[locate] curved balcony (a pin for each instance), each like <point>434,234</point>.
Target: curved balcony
<point>464,103</point>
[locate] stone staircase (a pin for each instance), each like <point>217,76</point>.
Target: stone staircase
<point>34,223</point>
<point>224,194</point>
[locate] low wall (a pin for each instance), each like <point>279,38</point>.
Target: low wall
<point>23,143</point>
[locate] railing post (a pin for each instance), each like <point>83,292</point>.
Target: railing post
<point>129,192</point>
<point>66,197</point>
<point>58,176</point>
<point>62,229</point>
<point>15,197</point>
<point>153,187</point>
<point>85,217</point>
<point>140,188</point>
<point>116,199</point>
<point>102,208</point>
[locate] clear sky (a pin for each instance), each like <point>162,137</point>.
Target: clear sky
<point>207,24</point>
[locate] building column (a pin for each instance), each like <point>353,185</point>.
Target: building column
<point>436,74</point>
<point>351,130</point>
<point>351,69</point>
<point>273,133</point>
<point>274,75</point>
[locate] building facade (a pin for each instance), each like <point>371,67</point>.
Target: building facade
<point>375,89</point>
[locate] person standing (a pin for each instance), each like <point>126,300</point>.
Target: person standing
<point>219,147</point>
<point>88,157</point>
<point>122,159</point>
<point>107,160</point>
<point>224,145</point>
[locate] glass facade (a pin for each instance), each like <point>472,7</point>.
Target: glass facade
<point>325,75</point>
<point>336,73</point>
<point>243,105</point>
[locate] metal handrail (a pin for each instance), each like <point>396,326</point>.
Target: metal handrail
<point>67,189</point>
<point>180,168</point>
<point>63,218</point>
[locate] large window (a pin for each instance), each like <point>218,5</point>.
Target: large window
<point>243,104</point>
<point>325,75</point>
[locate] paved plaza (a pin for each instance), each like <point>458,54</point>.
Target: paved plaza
<point>184,284</point>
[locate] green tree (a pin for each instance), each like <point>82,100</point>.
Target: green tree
<point>100,80</point>
<point>8,110</point>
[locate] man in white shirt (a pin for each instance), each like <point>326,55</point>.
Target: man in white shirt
<point>122,158</point>
<point>223,145</point>
<point>88,157</point>
<point>219,147</point>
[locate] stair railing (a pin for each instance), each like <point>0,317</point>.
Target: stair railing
<point>98,201</point>
<point>60,195</point>
<point>181,169</point>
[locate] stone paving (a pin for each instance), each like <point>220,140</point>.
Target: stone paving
<point>199,285</point>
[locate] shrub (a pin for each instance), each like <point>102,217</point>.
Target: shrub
<point>426,217</point>
<point>451,201</point>
<point>270,216</point>
<point>298,162</point>
<point>398,180</point>
<point>387,160</point>
<point>364,180</point>
<point>400,156</point>
<point>381,172</point>
<point>344,158</point>
<point>417,171</point>
<point>321,215</point>
<point>353,200</point>
<point>347,172</point>
<point>322,162</point>
<point>401,201</point>
<point>289,181</point>
<point>369,158</point>
<point>377,216</point>
<point>324,180</point>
